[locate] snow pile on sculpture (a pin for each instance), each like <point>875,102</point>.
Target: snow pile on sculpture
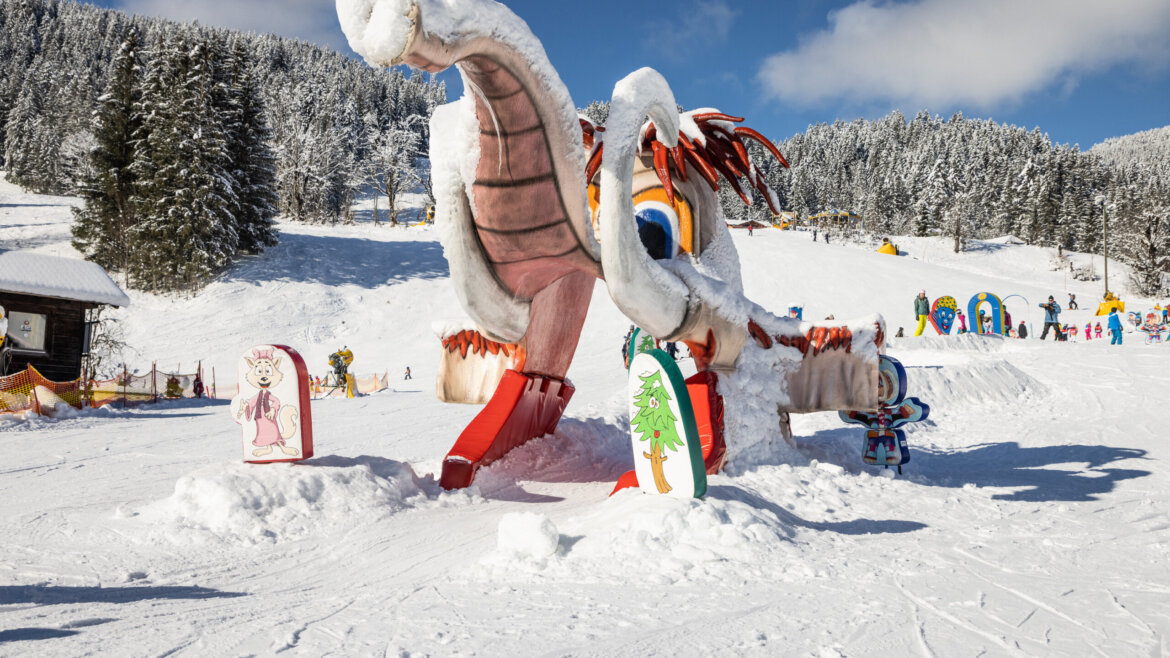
<point>243,504</point>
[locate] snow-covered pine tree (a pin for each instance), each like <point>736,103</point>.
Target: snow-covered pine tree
<point>102,225</point>
<point>394,158</point>
<point>30,155</point>
<point>1144,242</point>
<point>187,230</point>
<point>253,165</point>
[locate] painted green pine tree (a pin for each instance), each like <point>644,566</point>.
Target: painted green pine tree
<point>656,424</point>
<point>645,343</point>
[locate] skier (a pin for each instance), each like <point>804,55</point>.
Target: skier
<point>962,323</point>
<point>407,375</point>
<point>1051,319</point>
<point>1007,318</point>
<point>751,228</point>
<point>921,309</point>
<point>1088,331</point>
<point>1072,302</point>
<point>900,334</point>
<point>672,350</point>
<point>826,237</point>
<point>1097,330</point>
<point>1114,327</point>
<point>1022,332</point>
<point>814,235</point>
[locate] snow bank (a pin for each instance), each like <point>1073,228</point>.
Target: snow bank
<point>246,504</point>
<point>960,342</point>
<point>992,384</point>
<point>664,540</point>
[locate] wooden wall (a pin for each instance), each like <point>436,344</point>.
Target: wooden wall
<point>65,331</point>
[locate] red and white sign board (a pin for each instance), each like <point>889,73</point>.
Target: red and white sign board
<point>272,407</point>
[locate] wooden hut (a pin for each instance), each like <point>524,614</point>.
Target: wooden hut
<point>45,299</point>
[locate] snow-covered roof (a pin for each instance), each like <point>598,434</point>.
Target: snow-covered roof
<point>27,273</point>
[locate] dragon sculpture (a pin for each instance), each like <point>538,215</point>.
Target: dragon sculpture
<point>535,203</point>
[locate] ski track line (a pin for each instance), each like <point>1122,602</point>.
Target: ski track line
<point>296,634</point>
<point>955,621</point>
<point>920,631</point>
<point>1037,603</point>
<point>1148,629</point>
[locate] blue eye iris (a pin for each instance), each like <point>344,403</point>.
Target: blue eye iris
<point>654,229</point>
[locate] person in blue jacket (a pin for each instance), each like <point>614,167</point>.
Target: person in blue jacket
<point>1051,318</point>
<point>1114,326</point>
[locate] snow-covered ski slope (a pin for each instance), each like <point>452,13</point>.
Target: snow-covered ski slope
<point>1033,519</point>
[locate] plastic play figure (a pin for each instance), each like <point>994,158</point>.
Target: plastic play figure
<point>885,444</point>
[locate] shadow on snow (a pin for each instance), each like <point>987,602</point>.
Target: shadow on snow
<point>854,527</point>
<point>1028,469</point>
<point>55,595</point>
<point>1008,465</point>
<point>335,261</point>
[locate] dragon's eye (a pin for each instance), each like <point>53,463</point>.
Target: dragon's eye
<point>664,225</point>
<point>658,229</point>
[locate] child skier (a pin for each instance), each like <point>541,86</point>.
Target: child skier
<point>1088,331</point>
<point>1097,329</point>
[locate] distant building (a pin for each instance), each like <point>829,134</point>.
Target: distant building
<point>785,219</point>
<point>46,299</point>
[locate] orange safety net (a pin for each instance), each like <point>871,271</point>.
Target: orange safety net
<point>29,390</point>
<point>139,389</point>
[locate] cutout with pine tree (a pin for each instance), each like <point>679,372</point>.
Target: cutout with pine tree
<point>656,423</point>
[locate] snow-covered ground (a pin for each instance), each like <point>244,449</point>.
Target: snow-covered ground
<point>1033,519</point>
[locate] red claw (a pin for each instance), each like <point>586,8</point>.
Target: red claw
<point>662,166</point>
<point>744,131</point>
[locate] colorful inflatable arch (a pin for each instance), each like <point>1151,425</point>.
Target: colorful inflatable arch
<point>996,313</point>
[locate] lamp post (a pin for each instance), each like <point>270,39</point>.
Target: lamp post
<point>1104,237</point>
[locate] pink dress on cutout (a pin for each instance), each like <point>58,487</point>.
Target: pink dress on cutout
<point>267,432</point>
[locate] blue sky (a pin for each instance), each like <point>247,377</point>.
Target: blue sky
<point>1081,70</point>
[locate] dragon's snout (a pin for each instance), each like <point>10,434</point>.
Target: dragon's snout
<point>379,30</point>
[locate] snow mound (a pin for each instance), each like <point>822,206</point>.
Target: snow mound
<point>960,343</point>
<point>981,383</point>
<point>527,535</point>
<point>247,504</point>
<point>665,540</point>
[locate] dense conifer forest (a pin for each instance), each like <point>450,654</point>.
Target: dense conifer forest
<point>185,141</point>
<point>971,178</point>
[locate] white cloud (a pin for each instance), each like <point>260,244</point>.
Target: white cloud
<point>310,20</point>
<point>706,23</point>
<point>946,53</point>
